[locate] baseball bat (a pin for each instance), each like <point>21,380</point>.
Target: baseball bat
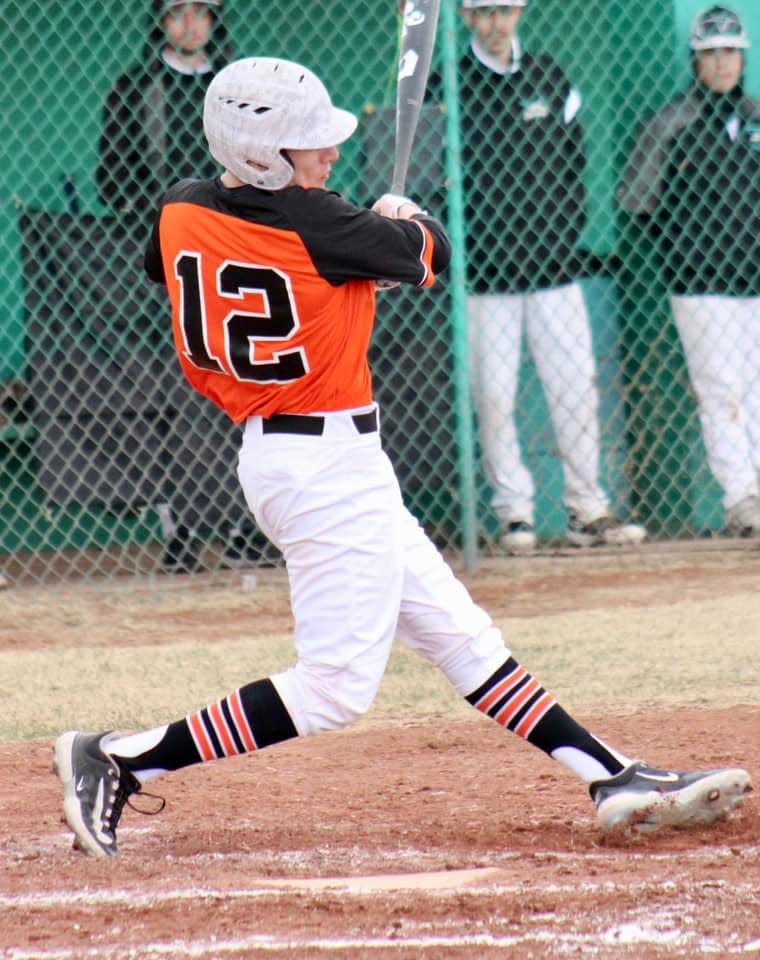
<point>420,20</point>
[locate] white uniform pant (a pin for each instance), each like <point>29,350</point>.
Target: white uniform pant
<point>361,571</point>
<point>721,342</point>
<point>557,327</point>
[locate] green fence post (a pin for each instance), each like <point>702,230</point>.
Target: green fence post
<point>462,393</point>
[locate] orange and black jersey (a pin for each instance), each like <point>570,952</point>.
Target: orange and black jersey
<point>273,293</point>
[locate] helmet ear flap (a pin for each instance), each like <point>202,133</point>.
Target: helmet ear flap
<point>266,169</point>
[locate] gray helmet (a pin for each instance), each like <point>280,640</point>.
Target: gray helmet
<point>718,27</point>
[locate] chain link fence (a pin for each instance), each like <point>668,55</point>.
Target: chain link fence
<point>601,264</point>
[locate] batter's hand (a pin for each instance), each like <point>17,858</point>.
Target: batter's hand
<point>395,207</point>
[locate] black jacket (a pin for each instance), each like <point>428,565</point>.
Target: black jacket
<point>523,165</point>
<point>152,136</point>
<point>709,217</point>
<point>152,132</point>
<point>694,174</point>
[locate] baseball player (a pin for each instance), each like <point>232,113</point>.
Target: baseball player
<point>523,163</point>
<point>272,279</point>
<point>693,177</point>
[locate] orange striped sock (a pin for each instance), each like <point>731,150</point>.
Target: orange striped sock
<point>515,699</point>
<point>248,719</point>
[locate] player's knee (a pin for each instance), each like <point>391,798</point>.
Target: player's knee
<point>468,664</point>
<point>323,697</point>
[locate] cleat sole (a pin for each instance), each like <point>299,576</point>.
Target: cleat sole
<point>709,800</point>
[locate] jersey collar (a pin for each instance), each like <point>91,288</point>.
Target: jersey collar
<point>171,59</point>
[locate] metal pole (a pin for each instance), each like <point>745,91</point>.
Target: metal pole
<point>457,271</point>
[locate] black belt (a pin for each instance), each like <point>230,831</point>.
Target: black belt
<point>315,426</point>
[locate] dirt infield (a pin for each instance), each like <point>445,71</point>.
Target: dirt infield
<point>425,832</point>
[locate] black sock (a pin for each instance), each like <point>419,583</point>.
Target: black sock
<point>248,719</point>
<point>516,700</point>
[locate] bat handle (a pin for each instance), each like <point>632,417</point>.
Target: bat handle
<point>398,183</point>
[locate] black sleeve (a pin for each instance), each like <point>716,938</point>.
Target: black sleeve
<point>123,178</point>
<point>562,156</point>
<point>114,149</point>
<point>154,265</point>
<point>674,185</point>
<point>352,243</point>
<point>573,170</point>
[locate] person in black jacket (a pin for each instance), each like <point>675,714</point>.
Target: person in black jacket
<point>694,177</point>
<point>151,136</point>
<point>151,121</point>
<point>523,165</point>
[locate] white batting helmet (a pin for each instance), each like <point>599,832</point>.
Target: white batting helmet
<point>259,107</point>
<point>718,27</point>
<point>474,4</point>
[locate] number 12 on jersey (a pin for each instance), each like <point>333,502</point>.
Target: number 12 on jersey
<point>241,329</point>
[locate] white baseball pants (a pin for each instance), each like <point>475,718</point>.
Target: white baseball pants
<point>361,572</point>
<point>721,342</point>
<point>558,332</point>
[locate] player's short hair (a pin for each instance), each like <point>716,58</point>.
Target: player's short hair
<point>258,108</point>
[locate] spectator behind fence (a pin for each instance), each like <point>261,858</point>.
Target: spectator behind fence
<point>151,137</point>
<point>523,159</point>
<point>151,120</point>
<point>694,177</point>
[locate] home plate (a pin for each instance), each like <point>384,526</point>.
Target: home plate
<point>438,880</point>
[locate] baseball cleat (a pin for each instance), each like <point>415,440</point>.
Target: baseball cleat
<point>743,519</point>
<point>182,554</point>
<point>604,531</point>
<point>642,799</point>
<point>519,538</point>
<point>95,790</point>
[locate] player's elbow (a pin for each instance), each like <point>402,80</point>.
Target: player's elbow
<point>442,256</point>
<point>441,245</point>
